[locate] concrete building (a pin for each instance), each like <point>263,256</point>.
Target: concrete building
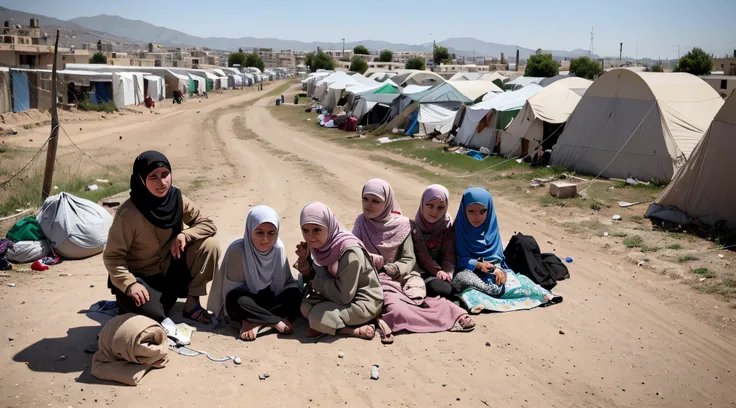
<point>454,68</point>
<point>24,47</point>
<point>725,65</point>
<point>723,84</point>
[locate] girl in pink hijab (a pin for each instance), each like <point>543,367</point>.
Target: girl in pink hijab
<point>434,241</point>
<point>343,290</point>
<point>387,237</point>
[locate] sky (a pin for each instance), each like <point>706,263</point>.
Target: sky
<point>648,28</point>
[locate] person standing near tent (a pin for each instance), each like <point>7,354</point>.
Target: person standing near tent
<point>254,284</point>
<point>387,237</point>
<point>343,293</point>
<point>434,241</point>
<point>151,259</point>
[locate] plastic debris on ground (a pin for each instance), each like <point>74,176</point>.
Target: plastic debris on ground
<point>375,373</point>
<point>92,187</point>
<point>476,155</point>
<point>616,218</point>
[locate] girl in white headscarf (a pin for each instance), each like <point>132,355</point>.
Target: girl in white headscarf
<point>255,285</point>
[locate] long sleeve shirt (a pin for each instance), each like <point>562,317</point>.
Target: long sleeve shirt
<point>435,255</point>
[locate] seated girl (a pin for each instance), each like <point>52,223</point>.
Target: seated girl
<point>387,237</point>
<point>386,234</point>
<point>434,241</point>
<point>482,277</point>
<point>152,260</point>
<point>254,285</point>
<point>343,290</point>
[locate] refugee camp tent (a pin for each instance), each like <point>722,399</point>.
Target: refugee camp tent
<point>175,81</point>
<point>435,118</point>
<point>200,84</point>
<point>411,77</point>
<point>123,89</point>
<point>482,121</point>
<point>382,76</point>
<point>637,124</point>
<point>466,76</point>
<point>521,82</point>
<point>474,89</point>
<point>383,92</point>
<point>551,105</point>
<point>21,93</point>
<point>444,92</point>
<point>156,87</point>
<point>550,80</point>
<point>702,190</point>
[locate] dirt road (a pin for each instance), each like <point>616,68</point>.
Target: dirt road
<point>622,338</point>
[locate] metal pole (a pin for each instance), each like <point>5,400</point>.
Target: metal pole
<point>48,173</point>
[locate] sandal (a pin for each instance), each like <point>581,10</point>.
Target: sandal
<point>387,337</point>
<point>464,324</point>
<point>198,314</point>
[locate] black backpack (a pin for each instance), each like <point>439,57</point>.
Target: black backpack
<point>523,256</point>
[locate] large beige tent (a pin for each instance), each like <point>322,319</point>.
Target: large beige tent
<point>703,188</point>
<point>410,77</point>
<point>552,106</point>
<point>474,89</point>
<point>637,124</point>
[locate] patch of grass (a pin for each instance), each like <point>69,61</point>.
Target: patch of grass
<point>588,226</point>
<point>688,258</point>
<point>549,201</point>
<point>633,242</point>
<point>704,272</point>
<point>730,283</point>
<point>197,183</point>
<point>281,88</point>
<point>637,219</point>
<point>620,234</point>
<point>86,105</point>
<point>674,246</point>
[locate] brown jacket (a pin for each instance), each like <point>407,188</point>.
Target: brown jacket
<point>137,248</point>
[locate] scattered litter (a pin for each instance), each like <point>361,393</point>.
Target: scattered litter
<point>237,360</point>
<point>679,332</point>
<point>12,285</point>
<point>56,187</point>
<point>627,204</point>
<point>484,150</point>
<point>616,218</point>
<point>261,377</point>
<point>519,161</point>
<point>701,280</point>
<point>266,375</point>
<point>562,332</point>
<point>605,234</point>
<point>720,256</point>
<point>92,187</point>
<point>374,372</point>
<point>102,180</point>
<point>488,344</point>
<point>568,260</point>
<point>634,181</point>
<point>340,355</point>
<point>641,263</point>
<point>386,139</point>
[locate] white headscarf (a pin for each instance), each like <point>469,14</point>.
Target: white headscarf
<point>264,269</point>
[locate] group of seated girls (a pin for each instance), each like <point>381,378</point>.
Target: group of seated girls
<point>390,272</point>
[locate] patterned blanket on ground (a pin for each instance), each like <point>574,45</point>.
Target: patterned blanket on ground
<point>521,294</point>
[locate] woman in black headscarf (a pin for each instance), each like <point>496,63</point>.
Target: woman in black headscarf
<point>151,258</point>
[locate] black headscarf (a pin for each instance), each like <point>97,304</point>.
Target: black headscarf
<point>163,212</point>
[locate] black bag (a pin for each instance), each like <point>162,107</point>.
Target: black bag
<point>523,256</point>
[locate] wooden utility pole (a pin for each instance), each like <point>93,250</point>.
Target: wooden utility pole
<point>48,173</point>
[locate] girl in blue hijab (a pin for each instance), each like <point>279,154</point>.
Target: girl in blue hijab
<point>479,247</point>
<point>482,278</point>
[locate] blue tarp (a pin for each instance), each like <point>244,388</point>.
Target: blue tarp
<point>414,128</point>
<point>102,92</point>
<point>21,96</point>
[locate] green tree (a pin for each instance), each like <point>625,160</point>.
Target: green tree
<point>358,65</point>
<point>584,67</point>
<point>359,49</point>
<point>416,63</point>
<point>696,62</point>
<point>253,60</point>
<point>657,68</point>
<point>236,58</point>
<point>440,55</point>
<point>386,56</point>
<point>541,65</point>
<point>319,60</point>
<point>98,58</point>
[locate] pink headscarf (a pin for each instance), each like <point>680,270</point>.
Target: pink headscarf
<point>383,234</point>
<point>433,192</point>
<point>338,240</point>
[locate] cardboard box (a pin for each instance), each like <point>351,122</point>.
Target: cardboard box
<point>561,189</point>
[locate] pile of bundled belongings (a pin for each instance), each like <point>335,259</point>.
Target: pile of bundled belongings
<point>66,227</point>
<point>699,195</point>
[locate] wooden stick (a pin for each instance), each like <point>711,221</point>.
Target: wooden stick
<point>15,215</point>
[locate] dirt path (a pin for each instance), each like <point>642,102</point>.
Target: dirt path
<point>631,338</point>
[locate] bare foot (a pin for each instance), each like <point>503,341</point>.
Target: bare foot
<point>364,332</point>
<point>284,327</point>
<point>249,331</point>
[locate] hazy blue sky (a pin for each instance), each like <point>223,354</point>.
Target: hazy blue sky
<point>658,26</point>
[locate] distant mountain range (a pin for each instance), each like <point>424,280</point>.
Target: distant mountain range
<point>122,30</point>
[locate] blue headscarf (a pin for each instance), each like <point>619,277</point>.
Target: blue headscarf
<point>483,242</point>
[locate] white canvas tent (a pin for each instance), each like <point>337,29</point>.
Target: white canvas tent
<point>175,81</point>
<point>123,89</point>
<point>522,81</point>
<point>433,117</point>
<point>412,77</point>
<point>201,83</point>
<point>474,89</point>
<point>444,92</point>
<point>466,76</point>
<point>702,189</point>
<point>637,124</point>
<point>488,113</point>
<point>553,104</point>
<point>156,87</point>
